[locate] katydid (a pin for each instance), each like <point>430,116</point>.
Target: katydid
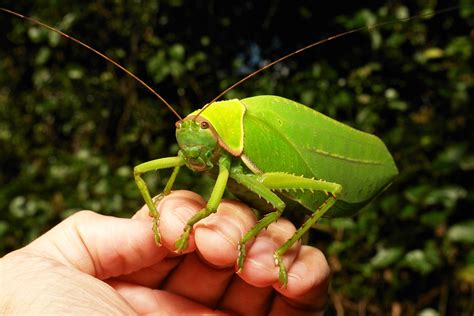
<point>274,154</point>
<point>332,167</point>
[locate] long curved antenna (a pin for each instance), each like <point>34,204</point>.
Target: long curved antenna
<point>368,27</point>
<point>128,72</point>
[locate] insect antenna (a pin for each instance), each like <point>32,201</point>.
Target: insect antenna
<point>116,64</point>
<point>367,27</point>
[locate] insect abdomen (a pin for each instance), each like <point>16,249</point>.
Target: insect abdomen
<point>282,135</point>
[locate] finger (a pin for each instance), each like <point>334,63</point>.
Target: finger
<point>308,280</point>
<point>259,266</point>
<point>281,307</point>
<point>175,210</point>
<point>143,214</point>
<point>222,230</point>
<point>152,276</point>
<point>217,236</point>
<point>158,302</point>
<point>171,208</point>
<point>198,281</point>
<point>244,299</point>
<point>102,246</point>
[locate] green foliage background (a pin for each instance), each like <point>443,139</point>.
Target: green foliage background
<point>72,126</point>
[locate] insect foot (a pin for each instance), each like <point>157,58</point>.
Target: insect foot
<point>182,243</point>
<point>157,199</point>
<point>241,257</point>
<point>156,232</point>
<point>282,274</point>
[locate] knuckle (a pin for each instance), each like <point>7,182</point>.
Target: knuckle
<point>84,215</point>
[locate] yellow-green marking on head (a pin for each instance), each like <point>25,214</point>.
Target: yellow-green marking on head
<point>222,116</point>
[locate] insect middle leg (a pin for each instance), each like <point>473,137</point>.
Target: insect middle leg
<point>211,206</point>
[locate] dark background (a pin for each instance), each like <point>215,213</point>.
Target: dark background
<point>72,126</point>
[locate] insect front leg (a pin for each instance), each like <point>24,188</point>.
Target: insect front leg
<point>211,207</point>
<point>162,163</point>
<point>284,181</point>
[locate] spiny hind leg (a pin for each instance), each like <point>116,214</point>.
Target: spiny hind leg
<point>284,181</point>
<point>278,255</point>
<point>252,182</point>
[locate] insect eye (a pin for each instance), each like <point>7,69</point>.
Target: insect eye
<point>178,124</point>
<point>204,125</point>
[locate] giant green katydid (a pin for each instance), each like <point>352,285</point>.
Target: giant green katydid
<point>332,167</point>
<point>234,148</point>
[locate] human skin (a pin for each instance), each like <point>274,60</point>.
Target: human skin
<point>96,264</point>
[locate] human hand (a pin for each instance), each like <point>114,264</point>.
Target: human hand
<point>91,263</point>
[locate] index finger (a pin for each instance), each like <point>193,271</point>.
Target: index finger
<point>99,245</point>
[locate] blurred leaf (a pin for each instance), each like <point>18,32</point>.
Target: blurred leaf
<point>434,218</point>
<point>466,274</point>
<point>41,77</point>
<point>177,52</point>
<point>462,232</point>
<point>53,39</point>
<point>3,228</point>
<point>42,56</point>
<point>461,47</point>
<point>417,193</point>
<point>417,260</point>
<point>430,53</point>
<point>342,223</point>
<point>386,257</point>
<point>428,312</point>
<point>36,33</point>
<point>451,156</point>
<point>467,163</point>
<point>75,73</point>
<point>447,196</point>
<point>433,253</point>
